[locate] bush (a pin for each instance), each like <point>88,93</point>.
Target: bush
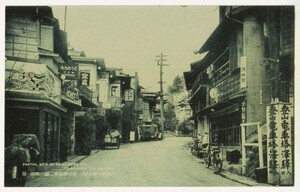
<point>101,130</point>
<point>83,134</point>
<point>186,127</point>
<point>65,137</point>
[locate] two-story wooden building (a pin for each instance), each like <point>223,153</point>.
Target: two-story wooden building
<point>34,47</point>
<point>248,65</point>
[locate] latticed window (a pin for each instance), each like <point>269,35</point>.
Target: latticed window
<point>226,130</point>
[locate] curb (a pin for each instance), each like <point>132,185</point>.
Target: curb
<point>247,181</point>
<point>231,176</point>
<point>241,179</point>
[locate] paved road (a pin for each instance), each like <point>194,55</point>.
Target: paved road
<point>155,163</point>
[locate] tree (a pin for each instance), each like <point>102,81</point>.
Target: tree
<point>170,118</point>
<point>65,136</point>
<point>129,117</point>
<point>113,117</point>
<point>186,127</point>
<point>177,86</point>
<point>83,134</point>
<point>101,129</point>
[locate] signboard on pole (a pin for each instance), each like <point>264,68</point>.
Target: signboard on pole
<point>279,144</point>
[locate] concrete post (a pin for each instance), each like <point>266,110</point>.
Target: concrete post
<point>254,53</point>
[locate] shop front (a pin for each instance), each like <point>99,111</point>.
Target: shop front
<point>225,126</point>
<point>33,105</point>
<point>39,118</point>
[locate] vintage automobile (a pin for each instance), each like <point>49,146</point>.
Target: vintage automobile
<point>149,132</point>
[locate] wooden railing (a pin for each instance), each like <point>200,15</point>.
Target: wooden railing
<point>85,92</point>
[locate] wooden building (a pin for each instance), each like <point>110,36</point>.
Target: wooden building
<point>248,64</point>
<point>34,46</point>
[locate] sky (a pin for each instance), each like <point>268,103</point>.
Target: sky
<point>130,37</point>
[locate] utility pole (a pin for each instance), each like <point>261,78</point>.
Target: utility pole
<point>65,19</point>
<point>161,64</point>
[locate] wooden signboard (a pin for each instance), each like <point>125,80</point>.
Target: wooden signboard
<point>279,144</point>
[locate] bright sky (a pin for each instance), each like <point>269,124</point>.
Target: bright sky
<point>130,37</point>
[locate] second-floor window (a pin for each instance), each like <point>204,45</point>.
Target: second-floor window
<point>47,37</point>
<point>114,90</point>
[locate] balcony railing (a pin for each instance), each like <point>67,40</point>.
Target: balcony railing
<point>202,79</point>
<point>226,88</point>
<point>85,92</point>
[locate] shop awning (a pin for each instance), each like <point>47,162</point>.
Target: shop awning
<point>226,111</point>
<point>196,68</point>
<point>69,103</point>
<point>31,97</point>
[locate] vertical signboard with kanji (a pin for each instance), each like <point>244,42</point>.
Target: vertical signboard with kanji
<point>84,78</point>
<point>129,94</point>
<point>279,144</point>
<point>243,80</point>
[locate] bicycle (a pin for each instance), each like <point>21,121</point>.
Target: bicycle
<point>213,156</point>
<point>195,149</point>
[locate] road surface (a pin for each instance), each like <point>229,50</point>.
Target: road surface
<point>148,164</point>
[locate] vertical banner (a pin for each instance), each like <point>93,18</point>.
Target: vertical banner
<point>103,90</point>
<point>129,95</point>
<point>85,78</point>
<point>279,144</point>
<point>243,112</point>
<point>146,114</point>
<point>243,75</point>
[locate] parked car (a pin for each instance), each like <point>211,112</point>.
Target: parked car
<point>149,132</point>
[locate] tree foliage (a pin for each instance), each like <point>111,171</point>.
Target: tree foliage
<point>101,129</point>
<point>177,86</point>
<point>186,127</point>
<point>129,122</point>
<point>170,118</point>
<point>113,118</point>
<point>65,136</point>
<point>83,134</point>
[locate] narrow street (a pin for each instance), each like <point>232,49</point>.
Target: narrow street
<point>155,163</point>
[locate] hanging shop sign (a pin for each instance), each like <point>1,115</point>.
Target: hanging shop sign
<point>103,87</point>
<point>129,94</point>
<point>69,71</point>
<point>243,112</point>
<point>85,78</point>
<point>146,114</point>
<point>279,144</point>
